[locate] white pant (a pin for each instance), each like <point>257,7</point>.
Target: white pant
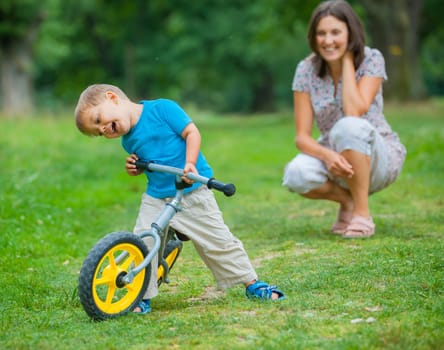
<point>200,220</point>
<point>305,173</point>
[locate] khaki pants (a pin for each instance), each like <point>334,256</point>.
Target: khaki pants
<point>200,220</point>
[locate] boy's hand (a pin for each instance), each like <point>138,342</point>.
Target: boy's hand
<point>189,168</point>
<point>131,166</point>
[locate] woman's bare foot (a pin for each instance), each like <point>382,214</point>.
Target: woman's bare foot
<point>345,215</point>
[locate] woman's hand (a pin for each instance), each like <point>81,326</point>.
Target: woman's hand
<point>348,57</point>
<point>357,96</point>
<point>131,166</point>
<point>338,165</point>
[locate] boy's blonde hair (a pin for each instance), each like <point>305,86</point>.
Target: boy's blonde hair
<point>92,96</point>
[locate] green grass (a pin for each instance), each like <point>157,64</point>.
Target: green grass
<point>60,192</point>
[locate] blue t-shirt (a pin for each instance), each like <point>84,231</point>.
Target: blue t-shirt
<point>157,138</point>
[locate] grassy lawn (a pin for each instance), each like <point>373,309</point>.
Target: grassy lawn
<point>60,192</point>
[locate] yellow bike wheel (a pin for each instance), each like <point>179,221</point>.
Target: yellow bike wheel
<point>102,292</point>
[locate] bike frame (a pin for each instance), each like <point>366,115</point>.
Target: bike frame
<point>171,208</point>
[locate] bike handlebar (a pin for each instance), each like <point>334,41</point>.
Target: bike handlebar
<point>226,189</point>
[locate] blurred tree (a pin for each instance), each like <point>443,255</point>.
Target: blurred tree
<point>224,55</point>
<point>394,29</point>
<point>431,37</point>
<point>19,24</point>
<point>80,43</point>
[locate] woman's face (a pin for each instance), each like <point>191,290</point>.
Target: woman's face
<point>331,39</point>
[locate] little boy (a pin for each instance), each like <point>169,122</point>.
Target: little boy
<point>160,131</point>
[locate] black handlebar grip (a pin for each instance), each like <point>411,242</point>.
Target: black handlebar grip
<point>140,164</point>
<point>227,189</point>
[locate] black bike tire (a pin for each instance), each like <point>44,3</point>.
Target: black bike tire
<point>169,248</point>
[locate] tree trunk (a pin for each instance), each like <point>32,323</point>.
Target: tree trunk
<point>16,81</point>
<point>16,73</point>
<point>263,93</point>
<point>394,30</point>
<point>129,60</point>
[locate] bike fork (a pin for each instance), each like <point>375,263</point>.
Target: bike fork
<point>157,232</point>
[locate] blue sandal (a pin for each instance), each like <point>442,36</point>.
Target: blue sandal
<point>145,307</point>
<point>262,290</point>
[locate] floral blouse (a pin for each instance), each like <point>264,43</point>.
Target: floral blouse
<point>327,106</point>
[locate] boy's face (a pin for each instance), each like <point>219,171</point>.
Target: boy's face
<point>110,118</point>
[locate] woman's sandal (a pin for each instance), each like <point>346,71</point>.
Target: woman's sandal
<point>360,227</point>
<point>144,306</point>
<point>261,290</point>
<point>341,224</point>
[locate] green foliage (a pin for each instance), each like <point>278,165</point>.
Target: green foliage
<point>224,55</point>
<point>431,58</point>
<point>60,192</point>
<point>16,16</point>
